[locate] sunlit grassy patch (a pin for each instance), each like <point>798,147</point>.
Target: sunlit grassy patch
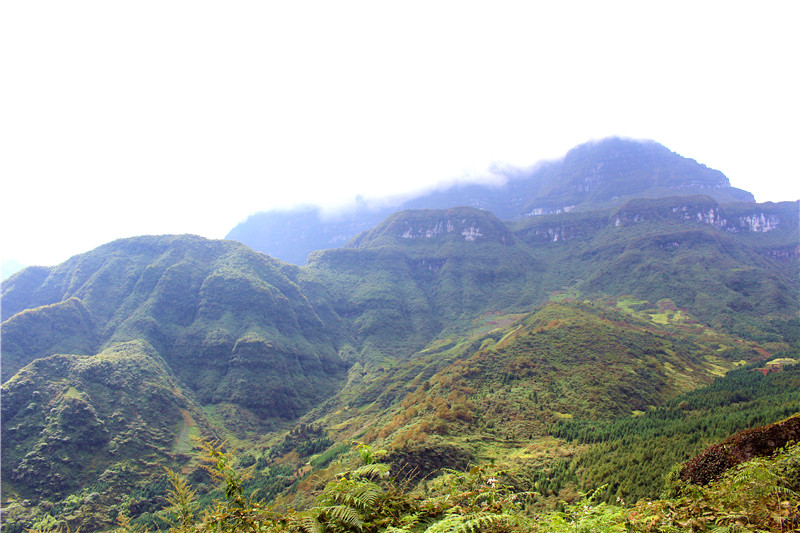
<point>627,302</point>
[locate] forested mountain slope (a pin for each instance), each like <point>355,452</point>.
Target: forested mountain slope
<point>231,323</point>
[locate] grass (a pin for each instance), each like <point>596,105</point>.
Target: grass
<point>566,295</point>
<point>628,302</point>
<point>74,393</point>
<point>189,430</point>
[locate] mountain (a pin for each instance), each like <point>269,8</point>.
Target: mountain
<point>71,421</point>
<point>591,176</point>
<point>419,273</point>
<point>113,359</point>
<point>447,336</point>
<point>217,312</point>
<point>611,171</point>
<point>720,262</point>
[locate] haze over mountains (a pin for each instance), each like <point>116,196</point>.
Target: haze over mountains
<point>593,175</point>
<point>609,283</point>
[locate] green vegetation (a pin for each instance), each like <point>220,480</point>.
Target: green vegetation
<point>761,494</point>
<point>80,432</point>
<point>63,327</point>
<point>632,454</point>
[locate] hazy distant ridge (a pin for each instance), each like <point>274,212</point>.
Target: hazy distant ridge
<point>590,176</point>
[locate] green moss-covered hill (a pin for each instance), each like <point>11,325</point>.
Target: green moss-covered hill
<point>80,424</point>
<point>420,273</point>
<point>231,323</point>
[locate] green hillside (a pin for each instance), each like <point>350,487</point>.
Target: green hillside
<point>503,388</point>
<point>80,433</point>
<point>63,327</point>
<point>721,263</point>
<point>420,273</point>
<point>218,313</point>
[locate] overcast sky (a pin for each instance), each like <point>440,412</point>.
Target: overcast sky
<point>148,117</point>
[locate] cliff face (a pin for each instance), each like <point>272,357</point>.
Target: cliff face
<point>685,211</point>
<point>419,272</point>
<point>460,223</point>
<point>736,218</point>
<point>689,249</point>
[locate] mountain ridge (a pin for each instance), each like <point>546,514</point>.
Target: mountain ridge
<point>590,176</point>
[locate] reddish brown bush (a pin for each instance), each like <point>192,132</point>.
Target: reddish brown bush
<point>756,442</point>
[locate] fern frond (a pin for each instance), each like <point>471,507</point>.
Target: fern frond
<point>379,470</point>
<point>484,521</point>
<point>448,524</point>
<point>409,523</point>
<point>344,515</point>
<point>480,522</point>
<point>356,494</point>
<point>732,528</point>
<point>310,524</point>
<point>367,494</point>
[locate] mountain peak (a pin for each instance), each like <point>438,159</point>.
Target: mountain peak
<point>612,170</point>
<point>412,227</point>
<point>594,175</point>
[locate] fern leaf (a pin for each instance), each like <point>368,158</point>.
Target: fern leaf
<point>310,524</point>
<point>344,515</point>
<point>485,521</point>
<point>448,524</point>
<point>373,470</point>
<point>366,495</point>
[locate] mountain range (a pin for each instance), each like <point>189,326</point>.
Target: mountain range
<point>598,174</point>
<point>470,324</point>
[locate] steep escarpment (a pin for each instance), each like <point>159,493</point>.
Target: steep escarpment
<point>445,225</point>
<point>708,258</point>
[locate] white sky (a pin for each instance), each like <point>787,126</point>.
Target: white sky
<point>127,118</point>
